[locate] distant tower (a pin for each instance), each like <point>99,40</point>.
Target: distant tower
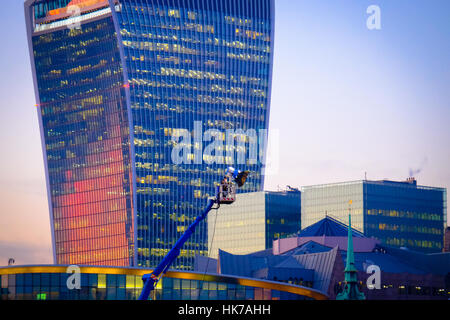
<point>350,291</point>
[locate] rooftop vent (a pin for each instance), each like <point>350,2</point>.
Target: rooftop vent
<point>411,180</point>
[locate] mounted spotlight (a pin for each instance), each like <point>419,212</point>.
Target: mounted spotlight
<point>227,187</point>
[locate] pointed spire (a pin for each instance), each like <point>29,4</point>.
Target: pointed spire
<point>350,263</point>
<point>350,290</point>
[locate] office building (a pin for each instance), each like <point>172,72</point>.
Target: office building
<point>253,221</point>
<point>118,84</point>
<point>118,283</point>
<point>317,259</point>
<point>399,214</point>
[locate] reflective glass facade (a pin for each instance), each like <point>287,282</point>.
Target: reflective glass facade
<point>405,215</point>
<point>400,214</point>
<point>333,200</point>
<point>85,132</point>
<point>187,61</point>
<point>110,97</point>
<point>50,283</point>
<point>283,215</point>
<point>253,222</point>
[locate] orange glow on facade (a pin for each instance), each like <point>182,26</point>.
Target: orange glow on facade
<point>80,3</point>
<point>91,218</point>
<point>88,149</point>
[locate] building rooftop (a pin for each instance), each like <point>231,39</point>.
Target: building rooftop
<point>321,236</point>
<point>329,227</point>
<point>408,183</point>
<point>315,268</point>
<point>314,263</point>
<point>317,256</point>
<point>131,279</point>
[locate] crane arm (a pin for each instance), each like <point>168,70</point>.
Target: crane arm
<point>150,280</point>
<point>222,196</point>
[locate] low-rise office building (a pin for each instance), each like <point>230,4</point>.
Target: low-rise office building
<point>253,221</point>
<point>399,214</point>
<point>50,282</point>
<point>316,258</point>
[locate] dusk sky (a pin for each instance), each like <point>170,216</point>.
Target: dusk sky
<point>345,100</point>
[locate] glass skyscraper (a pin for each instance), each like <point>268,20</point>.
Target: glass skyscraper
<point>398,213</point>
<point>253,222</point>
<point>115,81</point>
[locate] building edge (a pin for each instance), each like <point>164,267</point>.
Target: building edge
<point>115,19</point>
<point>29,26</point>
<point>269,94</point>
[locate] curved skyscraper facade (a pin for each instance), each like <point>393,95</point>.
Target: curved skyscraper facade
<point>142,105</point>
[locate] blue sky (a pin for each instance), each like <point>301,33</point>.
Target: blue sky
<point>345,100</point>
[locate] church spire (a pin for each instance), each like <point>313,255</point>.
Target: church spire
<point>350,290</point>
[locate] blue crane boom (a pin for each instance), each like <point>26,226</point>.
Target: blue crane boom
<point>226,194</point>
